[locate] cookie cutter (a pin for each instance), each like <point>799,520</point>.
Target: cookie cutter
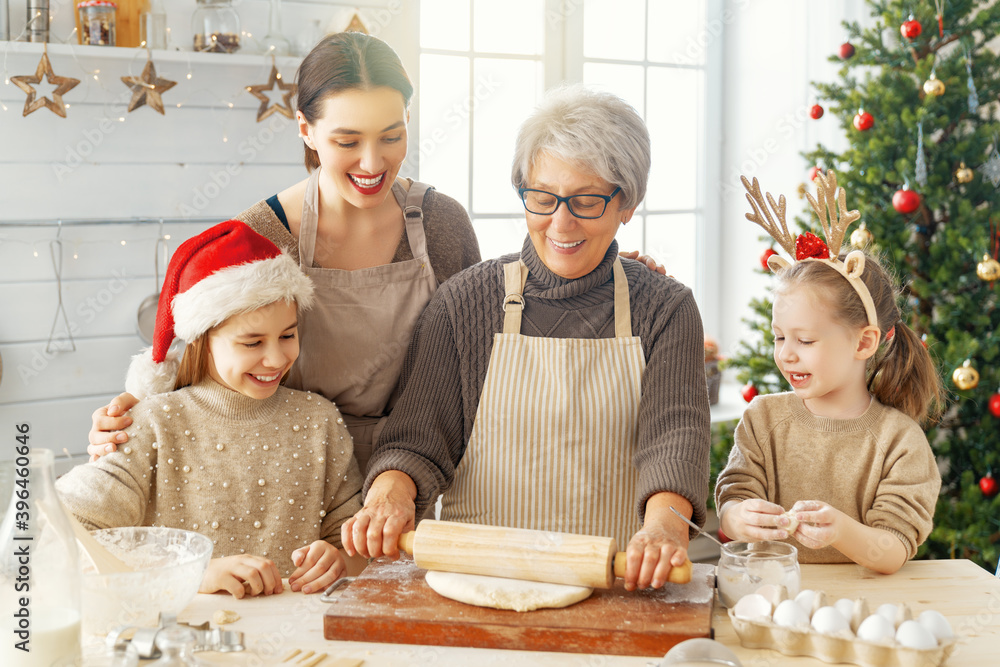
<point>206,638</point>
<point>328,595</point>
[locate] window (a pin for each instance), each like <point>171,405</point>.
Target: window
<point>484,65</point>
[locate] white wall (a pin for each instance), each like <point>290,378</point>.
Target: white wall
<point>178,167</point>
<point>774,49</point>
<point>121,173</point>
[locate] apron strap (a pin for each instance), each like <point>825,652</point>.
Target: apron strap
<point>310,217</point>
<point>413,216</point>
<point>515,274</point>
<point>623,310</point>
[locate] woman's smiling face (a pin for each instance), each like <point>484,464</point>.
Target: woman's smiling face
<point>361,142</point>
<point>570,246</point>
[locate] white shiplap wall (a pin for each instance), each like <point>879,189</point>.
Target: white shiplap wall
<point>112,176</point>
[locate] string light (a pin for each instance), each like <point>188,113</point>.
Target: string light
<point>123,241</point>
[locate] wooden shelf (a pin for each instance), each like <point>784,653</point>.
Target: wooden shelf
<point>121,53</point>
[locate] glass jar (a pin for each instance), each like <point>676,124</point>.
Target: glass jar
<point>98,19</point>
<point>746,566</point>
<point>39,568</point>
<point>216,27</point>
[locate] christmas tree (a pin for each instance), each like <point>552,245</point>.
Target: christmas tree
<point>917,99</point>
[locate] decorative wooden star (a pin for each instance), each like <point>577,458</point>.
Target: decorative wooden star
<point>356,25</point>
<point>146,89</point>
<point>64,83</point>
<point>266,108</point>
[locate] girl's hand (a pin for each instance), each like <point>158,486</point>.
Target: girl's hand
<point>752,520</point>
<point>652,553</point>
<point>319,565</point>
<point>106,426</point>
<point>819,523</point>
<point>389,511</point>
<point>241,575</point>
<point>650,263</point>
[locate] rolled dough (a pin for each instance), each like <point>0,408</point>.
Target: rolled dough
<point>501,593</point>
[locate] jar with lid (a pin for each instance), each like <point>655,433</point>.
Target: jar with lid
<point>98,19</point>
<point>216,27</point>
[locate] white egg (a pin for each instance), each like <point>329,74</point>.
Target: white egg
<point>889,611</point>
<point>936,624</point>
<point>875,628</point>
<point>805,599</point>
<point>845,607</point>
<point>913,635</point>
<point>753,607</point>
<point>790,615</point>
<point>829,621</point>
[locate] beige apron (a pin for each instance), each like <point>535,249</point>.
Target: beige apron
<point>556,429</point>
<point>361,323</point>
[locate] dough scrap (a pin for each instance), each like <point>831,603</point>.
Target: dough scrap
<point>224,616</point>
<point>793,521</point>
<point>502,593</point>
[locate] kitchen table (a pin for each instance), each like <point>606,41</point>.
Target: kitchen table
<point>965,593</point>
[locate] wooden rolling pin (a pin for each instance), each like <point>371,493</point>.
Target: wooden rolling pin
<point>518,553</point>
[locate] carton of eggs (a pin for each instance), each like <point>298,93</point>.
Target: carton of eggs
<point>841,630</point>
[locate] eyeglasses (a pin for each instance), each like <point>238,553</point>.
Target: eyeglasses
<point>588,207</point>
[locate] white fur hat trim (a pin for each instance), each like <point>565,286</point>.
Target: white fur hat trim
<point>146,378</point>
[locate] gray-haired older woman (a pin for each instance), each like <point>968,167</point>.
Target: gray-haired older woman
<point>561,389</point>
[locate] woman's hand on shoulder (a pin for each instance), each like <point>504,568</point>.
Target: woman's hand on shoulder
<point>107,424</point>
<point>650,263</point>
<point>318,565</point>
<point>389,511</point>
<point>652,553</point>
<point>241,576</point>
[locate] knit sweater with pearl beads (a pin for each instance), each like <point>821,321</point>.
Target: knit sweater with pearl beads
<point>260,477</point>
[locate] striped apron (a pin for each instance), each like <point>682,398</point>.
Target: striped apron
<point>556,428</point>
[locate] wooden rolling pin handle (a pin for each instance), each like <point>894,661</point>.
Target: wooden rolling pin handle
<point>678,575</point>
<point>406,542</point>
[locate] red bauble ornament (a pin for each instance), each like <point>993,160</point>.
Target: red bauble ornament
<point>988,485</point>
<point>814,172</point>
<point>749,392</point>
<point>846,50</point>
<point>994,405</point>
<point>864,120</point>
<point>911,29</point>
<point>816,112</point>
<point>906,201</point>
<point>764,256</point>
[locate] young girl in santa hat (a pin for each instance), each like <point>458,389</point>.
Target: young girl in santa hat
<point>218,446</point>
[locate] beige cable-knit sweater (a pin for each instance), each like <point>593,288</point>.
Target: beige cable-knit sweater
<point>877,468</point>
<point>261,477</point>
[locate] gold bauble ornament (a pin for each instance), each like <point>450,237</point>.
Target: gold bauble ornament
<point>988,269</point>
<point>965,376</point>
<point>934,86</point>
<point>963,174</point>
<point>862,237</point>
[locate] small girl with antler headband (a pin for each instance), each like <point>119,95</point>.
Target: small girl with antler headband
<point>843,450</point>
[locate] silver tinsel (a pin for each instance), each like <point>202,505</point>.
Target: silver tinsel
<point>973,96</point>
<point>921,165</point>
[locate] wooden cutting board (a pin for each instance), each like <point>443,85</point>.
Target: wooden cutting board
<point>390,602</point>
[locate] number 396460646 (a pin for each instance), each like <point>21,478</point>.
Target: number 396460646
<point>21,471</point>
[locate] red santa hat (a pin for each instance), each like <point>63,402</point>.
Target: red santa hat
<point>226,270</point>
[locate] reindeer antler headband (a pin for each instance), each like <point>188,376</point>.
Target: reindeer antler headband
<point>808,246</point>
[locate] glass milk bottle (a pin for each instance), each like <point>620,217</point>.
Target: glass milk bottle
<point>39,567</point>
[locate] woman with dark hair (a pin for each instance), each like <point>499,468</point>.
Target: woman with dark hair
<point>375,245</point>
